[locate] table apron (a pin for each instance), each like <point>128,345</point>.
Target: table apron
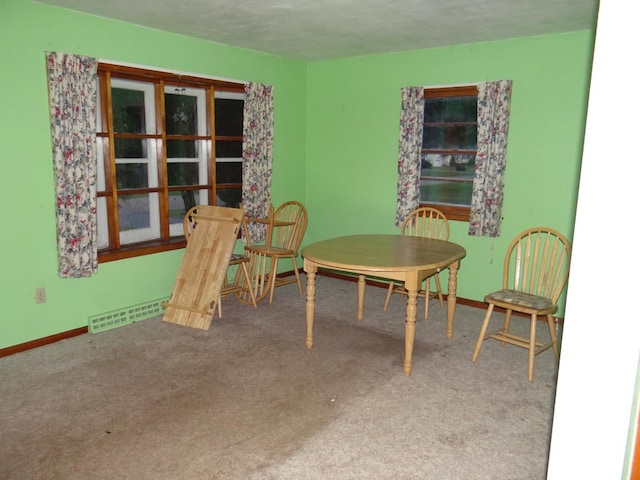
<point>400,275</point>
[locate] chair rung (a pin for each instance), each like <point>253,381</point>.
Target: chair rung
<point>518,341</point>
<point>284,281</point>
<point>403,291</point>
<point>231,289</point>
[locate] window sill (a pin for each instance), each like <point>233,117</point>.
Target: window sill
<point>139,249</point>
<point>452,213</point>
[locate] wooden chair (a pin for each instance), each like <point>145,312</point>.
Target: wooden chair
<point>241,281</point>
<point>286,227</point>
<point>430,223</point>
<point>536,268</point>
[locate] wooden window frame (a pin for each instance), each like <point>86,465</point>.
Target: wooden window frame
<point>159,79</point>
<point>460,213</point>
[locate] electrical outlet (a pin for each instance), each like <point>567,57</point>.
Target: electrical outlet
<point>41,295</point>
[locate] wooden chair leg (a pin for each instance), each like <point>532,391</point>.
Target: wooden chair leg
<point>506,325</point>
<point>249,287</point>
<point>427,287</point>
<point>389,292</point>
<point>272,277</point>
<point>532,346</point>
<point>261,275</point>
<point>483,332</point>
<point>297,274</point>
<point>439,290</point>
<point>220,306</point>
<point>552,335</point>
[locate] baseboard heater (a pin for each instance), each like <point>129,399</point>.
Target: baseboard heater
<point>125,316</point>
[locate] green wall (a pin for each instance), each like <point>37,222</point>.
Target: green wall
<point>335,148</point>
<point>353,114</point>
<point>28,251</point>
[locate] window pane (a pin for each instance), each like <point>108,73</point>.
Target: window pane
<point>181,113</point>
<point>131,148</point>
<point>446,179</point>
<point>138,218</point>
<point>128,110</point>
<point>103,227</point>
<point>180,202</point>
<point>458,137</point>
<point>450,109</point>
<point>182,149</point>
<point>436,165</point>
<point>228,172</point>
<point>229,115</point>
<point>183,173</point>
<point>226,149</point>
<point>444,192</point>
<point>132,175</point>
<point>133,212</point>
<point>229,197</point>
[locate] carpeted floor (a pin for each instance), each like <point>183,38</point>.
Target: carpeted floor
<point>247,400</point>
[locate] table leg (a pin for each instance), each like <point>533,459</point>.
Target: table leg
<point>451,297</point>
<point>361,285</point>
<point>310,305</point>
<point>410,330</point>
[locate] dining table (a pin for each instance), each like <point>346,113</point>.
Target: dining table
<point>403,258</point>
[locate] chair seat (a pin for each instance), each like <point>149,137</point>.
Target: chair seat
<point>515,297</point>
<point>237,258</point>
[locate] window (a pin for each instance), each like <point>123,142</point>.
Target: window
<point>166,142</point>
<point>449,141</point>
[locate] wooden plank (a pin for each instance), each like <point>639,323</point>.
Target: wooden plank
<point>203,269</point>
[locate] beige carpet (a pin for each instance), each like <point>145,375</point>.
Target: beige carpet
<point>247,400</point>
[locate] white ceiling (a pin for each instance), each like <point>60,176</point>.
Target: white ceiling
<point>312,30</point>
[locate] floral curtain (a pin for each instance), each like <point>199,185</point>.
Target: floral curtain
<point>409,147</point>
<point>493,125</point>
<point>72,83</point>
<point>257,152</point>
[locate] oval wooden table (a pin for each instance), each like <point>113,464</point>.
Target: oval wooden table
<point>395,257</point>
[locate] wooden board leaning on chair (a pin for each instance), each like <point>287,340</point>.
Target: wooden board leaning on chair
<point>203,269</point>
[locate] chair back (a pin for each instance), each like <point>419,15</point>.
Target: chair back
<point>537,262</point>
<point>426,222</point>
<point>292,217</point>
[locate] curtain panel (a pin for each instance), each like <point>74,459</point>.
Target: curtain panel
<point>494,106</point>
<point>72,85</point>
<point>257,153</point>
<point>409,148</point>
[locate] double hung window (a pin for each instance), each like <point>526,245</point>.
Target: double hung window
<point>449,144</point>
<point>166,142</point>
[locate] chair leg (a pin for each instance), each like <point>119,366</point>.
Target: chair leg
<point>483,332</point>
<point>552,335</point>
<point>427,287</point>
<point>272,277</point>
<point>295,271</point>
<point>532,345</point>
<point>249,287</point>
<point>261,274</point>
<point>259,269</point>
<point>439,290</point>
<point>389,292</point>
<point>507,324</point>
<point>220,306</point>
